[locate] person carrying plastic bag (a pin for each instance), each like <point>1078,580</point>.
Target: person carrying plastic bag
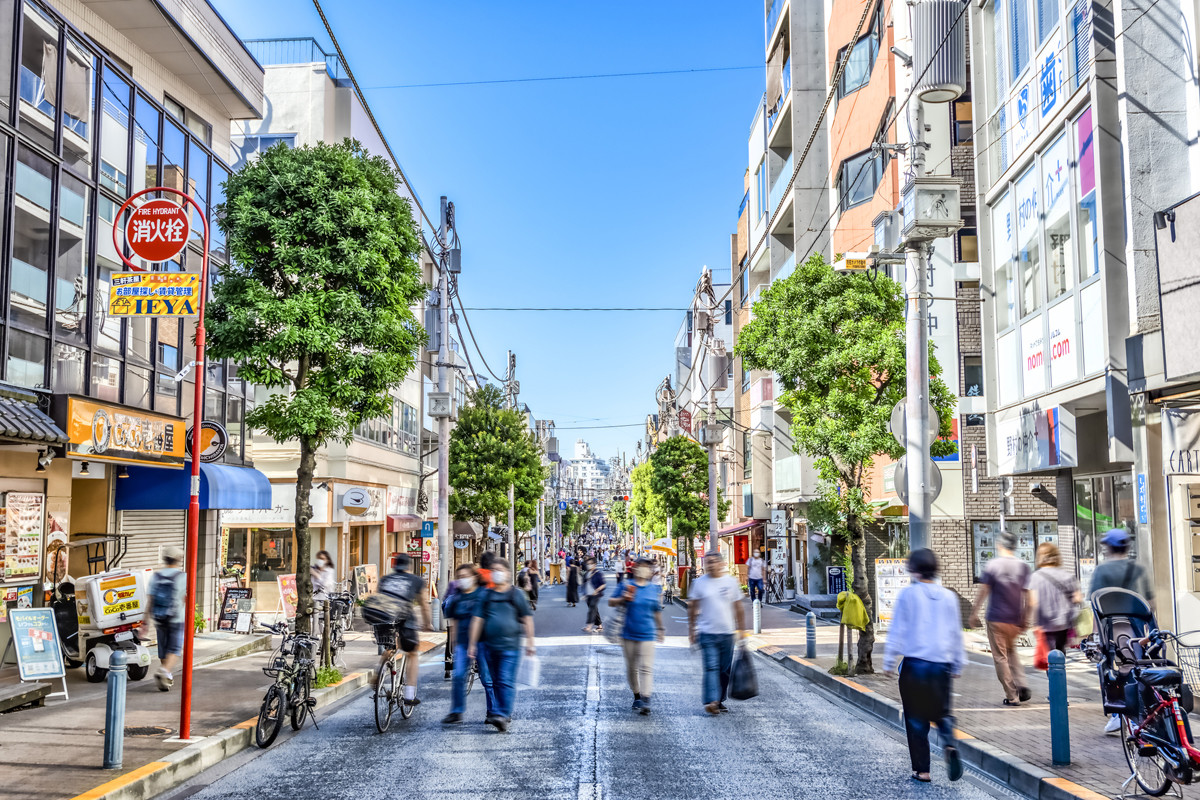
<point>496,628</point>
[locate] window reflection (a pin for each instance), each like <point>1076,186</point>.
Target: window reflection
<point>69,369</point>
<point>39,76</point>
<point>137,387</point>
<point>6,55</point>
<point>107,329</point>
<point>145,145</point>
<point>71,268</point>
<point>31,240</point>
<point>106,379</point>
<point>114,134</point>
<point>78,102</point>
<point>26,360</point>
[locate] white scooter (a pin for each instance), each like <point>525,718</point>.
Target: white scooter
<point>98,615</point>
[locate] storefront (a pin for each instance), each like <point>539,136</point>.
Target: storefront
<point>1181,468</point>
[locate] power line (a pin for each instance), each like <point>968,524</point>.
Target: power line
<point>571,308</point>
<point>591,76</point>
<point>456,296</point>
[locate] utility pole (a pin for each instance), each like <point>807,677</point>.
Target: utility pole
<point>916,355</point>
<point>512,529</point>
<point>443,534</point>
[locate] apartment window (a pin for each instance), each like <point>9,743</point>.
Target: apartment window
<point>858,178</point>
<point>966,240</point>
<point>743,286</point>
<point>745,378</point>
<point>857,72</point>
<point>1019,36</point>
<point>728,312</point>
<point>972,376</point>
<point>1047,18</point>
<point>254,145</point>
<point>747,456</point>
<point>194,123</point>
<point>760,189</point>
<point>962,116</point>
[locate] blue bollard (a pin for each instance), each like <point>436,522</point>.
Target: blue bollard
<point>1060,723</point>
<point>114,711</point>
<point>810,646</point>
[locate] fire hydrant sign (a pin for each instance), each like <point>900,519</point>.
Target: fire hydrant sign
<point>154,294</point>
<point>157,231</point>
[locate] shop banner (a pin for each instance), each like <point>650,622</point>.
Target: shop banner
<point>115,433</point>
<point>154,294</point>
<point>227,619</point>
<point>23,536</point>
<point>289,596</point>
<point>36,638</point>
<point>366,579</point>
<point>891,575</point>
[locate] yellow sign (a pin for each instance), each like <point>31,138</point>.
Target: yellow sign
<point>119,594</point>
<point>855,264</point>
<point>114,433</point>
<point>154,294</point>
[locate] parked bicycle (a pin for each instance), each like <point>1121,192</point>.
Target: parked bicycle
<point>1146,689</point>
<point>389,686</point>
<point>294,671</point>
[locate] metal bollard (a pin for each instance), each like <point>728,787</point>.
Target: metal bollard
<point>1060,723</point>
<point>757,615</point>
<point>114,711</point>
<point>810,646</point>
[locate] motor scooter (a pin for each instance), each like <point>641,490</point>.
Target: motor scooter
<point>98,615</point>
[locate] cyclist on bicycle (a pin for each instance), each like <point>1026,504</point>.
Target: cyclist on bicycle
<point>410,589</point>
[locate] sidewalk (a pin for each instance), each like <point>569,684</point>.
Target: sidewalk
<point>1098,762</point>
<point>57,751</point>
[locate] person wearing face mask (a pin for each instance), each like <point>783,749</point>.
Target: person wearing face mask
<point>500,618</point>
<point>643,627</point>
<point>756,574</point>
<point>324,578</point>
<point>460,610</point>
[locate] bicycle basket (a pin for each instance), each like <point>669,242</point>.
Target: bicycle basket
<point>385,636</point>
<point>278,664</point>
<point>1187,656</point>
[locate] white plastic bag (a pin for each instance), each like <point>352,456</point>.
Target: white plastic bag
<point>529,672</point>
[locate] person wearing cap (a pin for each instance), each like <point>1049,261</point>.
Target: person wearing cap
<point>1119,571</point>
<point>167,600</point>
<point>1004,586</point>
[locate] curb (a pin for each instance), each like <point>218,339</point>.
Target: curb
<point>1021,776</point>
<point>157,777</point>
<point>259,643</point>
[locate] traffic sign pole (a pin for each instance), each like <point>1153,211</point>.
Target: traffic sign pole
<point>193,516</point>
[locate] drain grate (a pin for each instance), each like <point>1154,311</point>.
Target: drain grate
<point>142,731</point>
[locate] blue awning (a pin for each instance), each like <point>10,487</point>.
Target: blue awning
<point>221,486</point>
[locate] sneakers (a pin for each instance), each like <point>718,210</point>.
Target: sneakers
<point>1113,725</point>
<point>721,707</point>
<point>416,701</point>
<point>494,720</point>
<point>645,709</point>
<point>954,766</point>
<point>638,703</point>
<point>452,719</point>
<point>1024,695</point>
<point>502,724</point>
<point>164,680</point>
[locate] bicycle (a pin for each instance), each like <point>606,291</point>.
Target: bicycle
<point>389,686</point>
<point>294,671</point>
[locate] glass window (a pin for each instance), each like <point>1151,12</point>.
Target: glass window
<point>31,240</point>
<point>71,269</point>
<point>728,312</point>
<point>114,134</point>
<point>166,394</point>
<point>198,188</point>
<point>858,179</point>
<point>747,456</point>
<point>7,11</point>
<point>233,424</point>
<point>1047,18</point>
<point>39,76</point>
<point>174,149</point>
<point>168,342</point>
<point>137,387</point>
<point>107,329</point>
<point>862,60</point>
<point>214,406</point>
<point>964,131</point>
<point>79,81</point>
<point>1002,256</point>
<point>139,339</point>
<point>1087,224</point>
<point>1019,45</point>
<point>744,286</point>
<point>219,176</point>
<point>1060,252</point>
<point>145,145</point>
<point>972,376</point>
<point>215,379</point>
<point>760,184</point>
<point>1029,243</point>
<point>69,368</point>
<point>174,108</point>
<point>106,379</point>
<point>26,360</point>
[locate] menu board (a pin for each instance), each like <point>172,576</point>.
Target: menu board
<point>289,596</point>
<point>891,575</point>
<point>23,521</point>
<point>36,638</point>
<point>227,619</point>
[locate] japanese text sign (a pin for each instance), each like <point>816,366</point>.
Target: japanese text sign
<point>154,294</point>
<point>36,637</point>
<point>157,231</point>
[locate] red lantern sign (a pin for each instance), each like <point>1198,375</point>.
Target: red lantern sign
<point>158,230</point>
<point>685,420</point>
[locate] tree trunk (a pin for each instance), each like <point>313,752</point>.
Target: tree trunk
<point>304,482</point>
<point>858,557</point>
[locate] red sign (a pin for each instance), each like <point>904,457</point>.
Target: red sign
<point>157,231</point>
<point>685,420</point>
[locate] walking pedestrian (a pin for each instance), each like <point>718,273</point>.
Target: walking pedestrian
<point>643,627</point>
<point>594,591</point>
<point>572,584</point>
<point>1119,571</point>
<point>324,578</point>
<point>460,610</point>
<point>528,581</point>
<point>167,598</point>
<point>496,630</point>
<point>715,622</point>
<point>1054,595</point>
<point>756,573</point>
<point>1004,587</point>
<point>926,632</point>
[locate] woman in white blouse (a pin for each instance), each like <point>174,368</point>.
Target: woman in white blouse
<point>926,632</point>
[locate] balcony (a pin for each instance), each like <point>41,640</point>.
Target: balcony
<point>781,183</point>
<point>774,11</point>
<point>783,94</point>
<point>277,52</point>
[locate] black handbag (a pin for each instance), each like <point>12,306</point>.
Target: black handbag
<point>743,680</point>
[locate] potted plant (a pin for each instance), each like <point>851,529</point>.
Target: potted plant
<point>789,588</point>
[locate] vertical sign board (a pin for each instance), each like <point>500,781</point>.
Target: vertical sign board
<point>36,639</point>
<point>835,580</point>
<point>227,620</point>
<point>1143,500</point>
<point>289,596</point>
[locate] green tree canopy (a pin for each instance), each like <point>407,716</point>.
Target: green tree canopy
<point>316,301</point>
<point>618,512</point>
<point>679,475</point>
<point>645,504</point>
<point>837,344</point>
<point>491,447</point>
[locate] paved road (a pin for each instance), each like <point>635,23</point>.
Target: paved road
<point>575,737</point>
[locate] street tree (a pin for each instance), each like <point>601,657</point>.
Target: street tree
<point>645,504</point>
<point>315,303</point>
<point>836,343</point>
<point>492,448</point>
<point>618,512</point>
<point>679,476</point>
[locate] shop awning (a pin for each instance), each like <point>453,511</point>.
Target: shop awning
<point>741,527</point>
<point>403,522</point>
<point>22,420</point>
<point>465,529</point>
<point>222,486</point>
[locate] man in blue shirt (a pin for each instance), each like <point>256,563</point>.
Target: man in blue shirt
<point>643,627</point>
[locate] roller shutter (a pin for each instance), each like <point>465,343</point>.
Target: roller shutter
<point>149,532</point>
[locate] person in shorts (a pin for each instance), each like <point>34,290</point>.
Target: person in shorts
<point>168,583</point>
<point>410,588</point>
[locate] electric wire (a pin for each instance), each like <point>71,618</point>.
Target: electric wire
<point>467,320</point>
<point>543,79</point>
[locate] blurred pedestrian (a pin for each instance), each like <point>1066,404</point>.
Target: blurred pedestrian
<point>460,610</point>
<point>926,632</point>
<point>756,573</point>
<point>167,600</point>
<point>324,577</point>
<point>715,622</point>
<point>1004,587</point>
<point>496,628</point>
<point>1053,596</point>
<point>643,627</point>
<point>529,580</point>
<point>486,559</point>
<point>572,584</point>
<point>594,590</point>
<point>1119,571</point>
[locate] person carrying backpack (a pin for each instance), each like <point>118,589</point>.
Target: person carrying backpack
<point>502,615</point>
<point>406,590</point>
<point>167,591</point>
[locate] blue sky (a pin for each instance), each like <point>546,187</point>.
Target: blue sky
<point>604,192</point>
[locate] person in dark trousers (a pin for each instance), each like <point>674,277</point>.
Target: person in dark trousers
<point>529,580</point>
<point>460,610</point>
<point>1004,587</point>
<point>715,623</point>
<point>926,633</point>
<point>595,590</point>
<point>496,629</point>
<point>572,583</point>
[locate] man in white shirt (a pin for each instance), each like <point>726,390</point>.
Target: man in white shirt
<point>715,621</point>
<point>756,573</point>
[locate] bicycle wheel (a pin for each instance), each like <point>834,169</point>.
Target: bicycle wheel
<point>301,691</point>
<point>1148,770</point>
<point>401,681</point>
<point>385,696</point>
<point>270,717</point>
